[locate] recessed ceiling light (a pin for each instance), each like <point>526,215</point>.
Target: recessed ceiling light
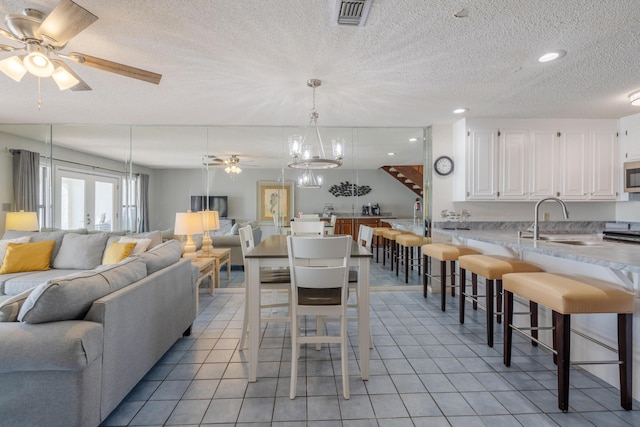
<point>550,56</point>
<point>460,110</point>
<point>413,139</point>
<point>391,154</point>
<point>634,98</point>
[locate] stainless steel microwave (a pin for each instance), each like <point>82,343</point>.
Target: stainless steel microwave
<point>632,177</point>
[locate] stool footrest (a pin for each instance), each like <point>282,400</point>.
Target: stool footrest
<point>596,362</point>
<point>536,340</point>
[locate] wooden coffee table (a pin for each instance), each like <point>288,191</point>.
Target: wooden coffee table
<point>220,257</point>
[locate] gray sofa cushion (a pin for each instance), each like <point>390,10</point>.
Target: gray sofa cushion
<point>70,297</point>
<point>161,256</point>
<point>37,236</point>
<point>81,251</point>
<point>15,283</point>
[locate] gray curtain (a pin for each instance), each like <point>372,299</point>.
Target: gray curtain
<point>26,177</point>
<point>143,203</point>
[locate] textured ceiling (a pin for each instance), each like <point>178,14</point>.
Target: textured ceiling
<point>230,62</point>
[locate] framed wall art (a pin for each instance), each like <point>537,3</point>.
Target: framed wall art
<point>274,200</point>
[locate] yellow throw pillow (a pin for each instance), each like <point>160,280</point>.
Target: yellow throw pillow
<point>22,257</point>
<point>117,251</point>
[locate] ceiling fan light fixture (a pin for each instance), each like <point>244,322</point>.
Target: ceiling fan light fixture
<point>13,68</point>
<point>634,99</point>
<point>38,63</point>
<point>64,79</point>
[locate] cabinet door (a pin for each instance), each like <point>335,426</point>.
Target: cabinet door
<point>604,177</point>
<point>513,165</point>
<point>575,157</point>
<point>543,174</point>
<point>483,166</point>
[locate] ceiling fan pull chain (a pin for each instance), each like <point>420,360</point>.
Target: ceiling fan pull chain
<point>39,97</point>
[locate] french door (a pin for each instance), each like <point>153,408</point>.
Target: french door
<point>86,200</point>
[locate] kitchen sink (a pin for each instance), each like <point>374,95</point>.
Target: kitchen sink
<point>567,239</point>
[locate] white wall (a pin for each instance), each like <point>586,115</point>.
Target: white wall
<point>175,186</point>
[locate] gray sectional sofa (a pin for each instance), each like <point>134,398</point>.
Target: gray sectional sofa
<point>86,337</point>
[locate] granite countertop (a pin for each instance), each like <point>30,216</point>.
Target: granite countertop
<point>618,256</point>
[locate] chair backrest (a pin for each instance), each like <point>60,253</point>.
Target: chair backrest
<point>246,239</point>
<point>307,228</point>
<point>317,264</point>
<point>365,236</point>
<point>308,217</point>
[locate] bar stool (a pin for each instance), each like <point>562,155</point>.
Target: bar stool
<point>443,252</point>
<point>491,268</point>
<point>407,243</point>
<point>377,240</point>
<point>389,245</point>
<point>566,295</point>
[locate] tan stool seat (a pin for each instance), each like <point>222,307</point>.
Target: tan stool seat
<point>410,240</point>
<point>446,252</point>
<point>391,234</point>
<point>567,295</point>
<point>492,268</point>
<point>443,252</point>
<point>378,233</point>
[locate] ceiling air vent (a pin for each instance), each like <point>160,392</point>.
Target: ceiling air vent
<point>352,12</point>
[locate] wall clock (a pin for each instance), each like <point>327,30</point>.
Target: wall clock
<point>443,165</point>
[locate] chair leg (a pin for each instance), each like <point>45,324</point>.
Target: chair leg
<point>443,285</point>
<point>295,350</point>
<point>245,323</point>
<point>344,359</point>
<point>508,332</point>
<point>319,330</point>
<point>563,341</point>
<point>425,276</point>
<point>489,303</point>
<point>625,355</point>
<point>474,289</point>
<point>499,301</point>
<point>452,266</point>
<point>384,251</point>
<point>463,285</point>
<point>406,263</point>
<point>533,310</point>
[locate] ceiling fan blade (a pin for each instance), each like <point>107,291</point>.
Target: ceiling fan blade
<point>114,67</point>
<point>81,85</point>
<point>8,35</point>
<point>7,48</point>
<point>64,22</point>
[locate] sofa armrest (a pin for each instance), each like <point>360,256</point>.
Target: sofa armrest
<point>57,346</point>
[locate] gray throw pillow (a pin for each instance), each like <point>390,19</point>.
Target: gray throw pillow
<point>70,297</point>
<point>37,236</point>
<point>161,256</point>
<point>81,251</point>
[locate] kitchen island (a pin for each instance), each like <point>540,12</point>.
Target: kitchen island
<point>593,257</point>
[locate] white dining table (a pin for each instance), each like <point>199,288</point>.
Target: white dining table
<point>272,252</point>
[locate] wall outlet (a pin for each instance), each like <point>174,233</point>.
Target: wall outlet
<point>545,216</point>
<point>6,207</point>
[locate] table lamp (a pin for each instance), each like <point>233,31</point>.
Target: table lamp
<point>187,224</point>
<point>22,221</point>
<point>210,222</point>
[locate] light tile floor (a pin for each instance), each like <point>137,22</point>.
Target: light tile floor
<point>426,370</point>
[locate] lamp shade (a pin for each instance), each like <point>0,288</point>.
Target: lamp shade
<point>188,223</point>
<point>22,221</point>
<point>210,220</point>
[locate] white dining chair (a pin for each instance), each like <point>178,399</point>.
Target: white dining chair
<point>307,228</point>
<point>365,237</point>
<point>319,273</point>
<point>274,280</point>
<point>332,223</point>
<point>308,217</point>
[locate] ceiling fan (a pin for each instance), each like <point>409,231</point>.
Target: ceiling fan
<point>231,163</point>
<point>43,37</point>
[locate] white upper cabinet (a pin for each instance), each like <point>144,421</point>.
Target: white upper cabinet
<point>532,159</point>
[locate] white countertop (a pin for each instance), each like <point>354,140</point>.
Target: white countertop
<point>619,256</point>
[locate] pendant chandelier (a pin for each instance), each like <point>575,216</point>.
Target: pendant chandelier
<point>307,152</point>
<point>309,180</point>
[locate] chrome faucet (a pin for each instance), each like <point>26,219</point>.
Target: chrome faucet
<point>536,229</point>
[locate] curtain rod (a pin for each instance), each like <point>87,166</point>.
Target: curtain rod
<point>17,150</point>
